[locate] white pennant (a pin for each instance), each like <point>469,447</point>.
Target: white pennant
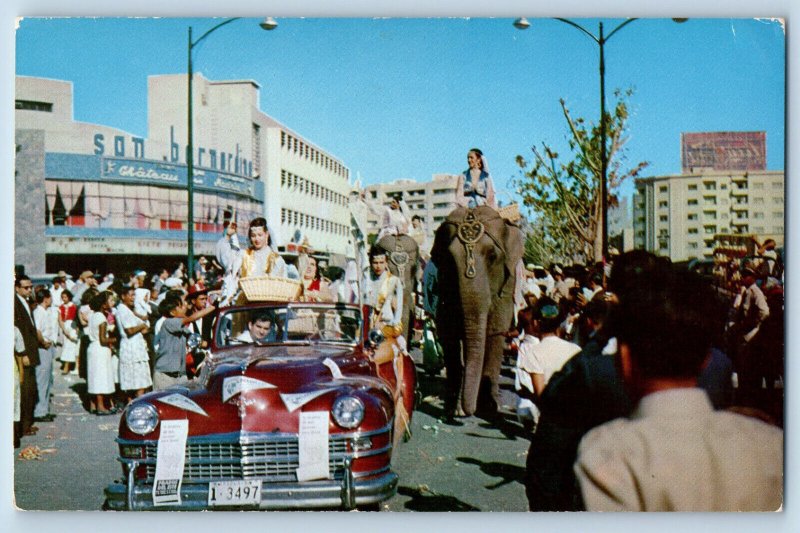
<point>182,402</point>
<point>232,386</point>
<point>294,401</point>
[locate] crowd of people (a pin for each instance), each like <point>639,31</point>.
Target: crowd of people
<point>646,388</point>
<point>641,387</point>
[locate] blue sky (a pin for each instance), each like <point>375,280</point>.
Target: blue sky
<point>406,98</point>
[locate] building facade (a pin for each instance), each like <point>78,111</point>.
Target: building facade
<point>679,216</point>
<point>107,195</point>
<point>432,200</point>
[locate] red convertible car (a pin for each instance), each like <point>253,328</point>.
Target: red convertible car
<point>297,406</point>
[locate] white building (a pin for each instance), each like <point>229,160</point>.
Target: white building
<point>678,216</point>
<point>91,196</point>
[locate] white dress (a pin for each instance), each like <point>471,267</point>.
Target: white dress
<point>99,369</point>
<point>134,361</point>
<point>69,352</point>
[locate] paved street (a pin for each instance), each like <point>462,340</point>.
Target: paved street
<point>469,467</point>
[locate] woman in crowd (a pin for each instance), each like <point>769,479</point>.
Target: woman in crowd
<point>67,314</point>
<point>100,372</point>
<point>315,288</point>
<point>474,187</point>
<point>134,361</point>
<point>84,313</point>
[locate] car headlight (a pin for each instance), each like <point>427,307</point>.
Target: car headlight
<point>348,411</point>
<point>141,418</point>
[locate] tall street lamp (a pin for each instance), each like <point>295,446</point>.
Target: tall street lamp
<point>601,39</point>
<point>267,24</point>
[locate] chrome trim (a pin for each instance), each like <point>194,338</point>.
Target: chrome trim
<point>348,494</point>
<point>322,494</point>
<point>245,437</point>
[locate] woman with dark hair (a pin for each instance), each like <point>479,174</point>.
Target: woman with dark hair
<point>475,187</point>
<point>315,289</point>
<point>67,313</point>
<point>100,372</point>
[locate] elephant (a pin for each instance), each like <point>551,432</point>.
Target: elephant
<point>476,253</point>
<point>402,253</point>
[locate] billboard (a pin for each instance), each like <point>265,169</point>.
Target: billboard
<point>724,150</point>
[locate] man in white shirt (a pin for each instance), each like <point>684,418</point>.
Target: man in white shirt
<point>46,319</point>
<point>675,453</point>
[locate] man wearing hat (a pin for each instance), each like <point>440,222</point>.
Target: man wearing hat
<point>85,280</point>
<point>752,311</point>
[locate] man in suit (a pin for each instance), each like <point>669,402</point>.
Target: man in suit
<point>23,320</point>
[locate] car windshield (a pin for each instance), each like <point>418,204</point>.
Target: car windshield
<point>287,324</point>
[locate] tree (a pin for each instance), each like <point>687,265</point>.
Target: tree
<point>565,194</point>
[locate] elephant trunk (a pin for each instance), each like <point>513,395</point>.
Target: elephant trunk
<point>474,353</point>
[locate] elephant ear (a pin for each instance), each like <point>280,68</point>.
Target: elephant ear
<point>441,242</point>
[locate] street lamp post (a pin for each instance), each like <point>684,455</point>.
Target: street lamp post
<point>267,24</point>
<point>601,39</point>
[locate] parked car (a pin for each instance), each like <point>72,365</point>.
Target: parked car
<point>297,406</point>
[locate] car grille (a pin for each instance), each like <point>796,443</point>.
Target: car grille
<point>272,459</point>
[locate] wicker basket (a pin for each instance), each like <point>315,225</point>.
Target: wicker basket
<point>510,212</point>
<point>267,288</point>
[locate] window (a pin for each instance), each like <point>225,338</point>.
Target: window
<point>758,186</point>
<point>283,139</point>
<point>692,202</point>
<point>692,245</point>
<point>710,185</point>
<point>711,215</point>
<point>709,230</point>
<point>662,188</point>
<point>693,187</point>
<point>31,105</point>
<point>777,214</point>
<point>693,231</point>
<point>692,216</point>
<point>723,187</point>
<point>777,200</point>
<point>758,215</point>
<point>758,201</point>
<point>283,178</point>
<point>777,185</point>
<point>778,229</point>
<point>663,218</point>
<point>256,149</point>
<point>663,203</point>
<point>710,200</point>
<point>758,229</point>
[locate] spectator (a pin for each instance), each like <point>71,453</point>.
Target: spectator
<point>27,358</point>
<point>85,281</point>
<point>675,453</point>
<point>134,361</point>
<point>158,279</point>
<point>46,319</point>
<point>56,289</point>
<point>67,315</point>
<point>100,371</point>
<point>170,343</point>
<point>748,317</point>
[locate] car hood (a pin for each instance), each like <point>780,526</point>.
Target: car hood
<point>262,389</point>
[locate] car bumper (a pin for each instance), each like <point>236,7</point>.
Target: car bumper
<point>346,493</point>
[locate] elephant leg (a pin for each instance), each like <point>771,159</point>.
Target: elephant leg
<point>454,367</point>
<point>489,396</point>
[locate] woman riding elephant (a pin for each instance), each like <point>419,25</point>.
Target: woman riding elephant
<point>476,253</point>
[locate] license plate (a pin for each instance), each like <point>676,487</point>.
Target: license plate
<point>246,492</point>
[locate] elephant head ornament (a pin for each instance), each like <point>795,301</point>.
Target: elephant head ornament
<point>476,252</point>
